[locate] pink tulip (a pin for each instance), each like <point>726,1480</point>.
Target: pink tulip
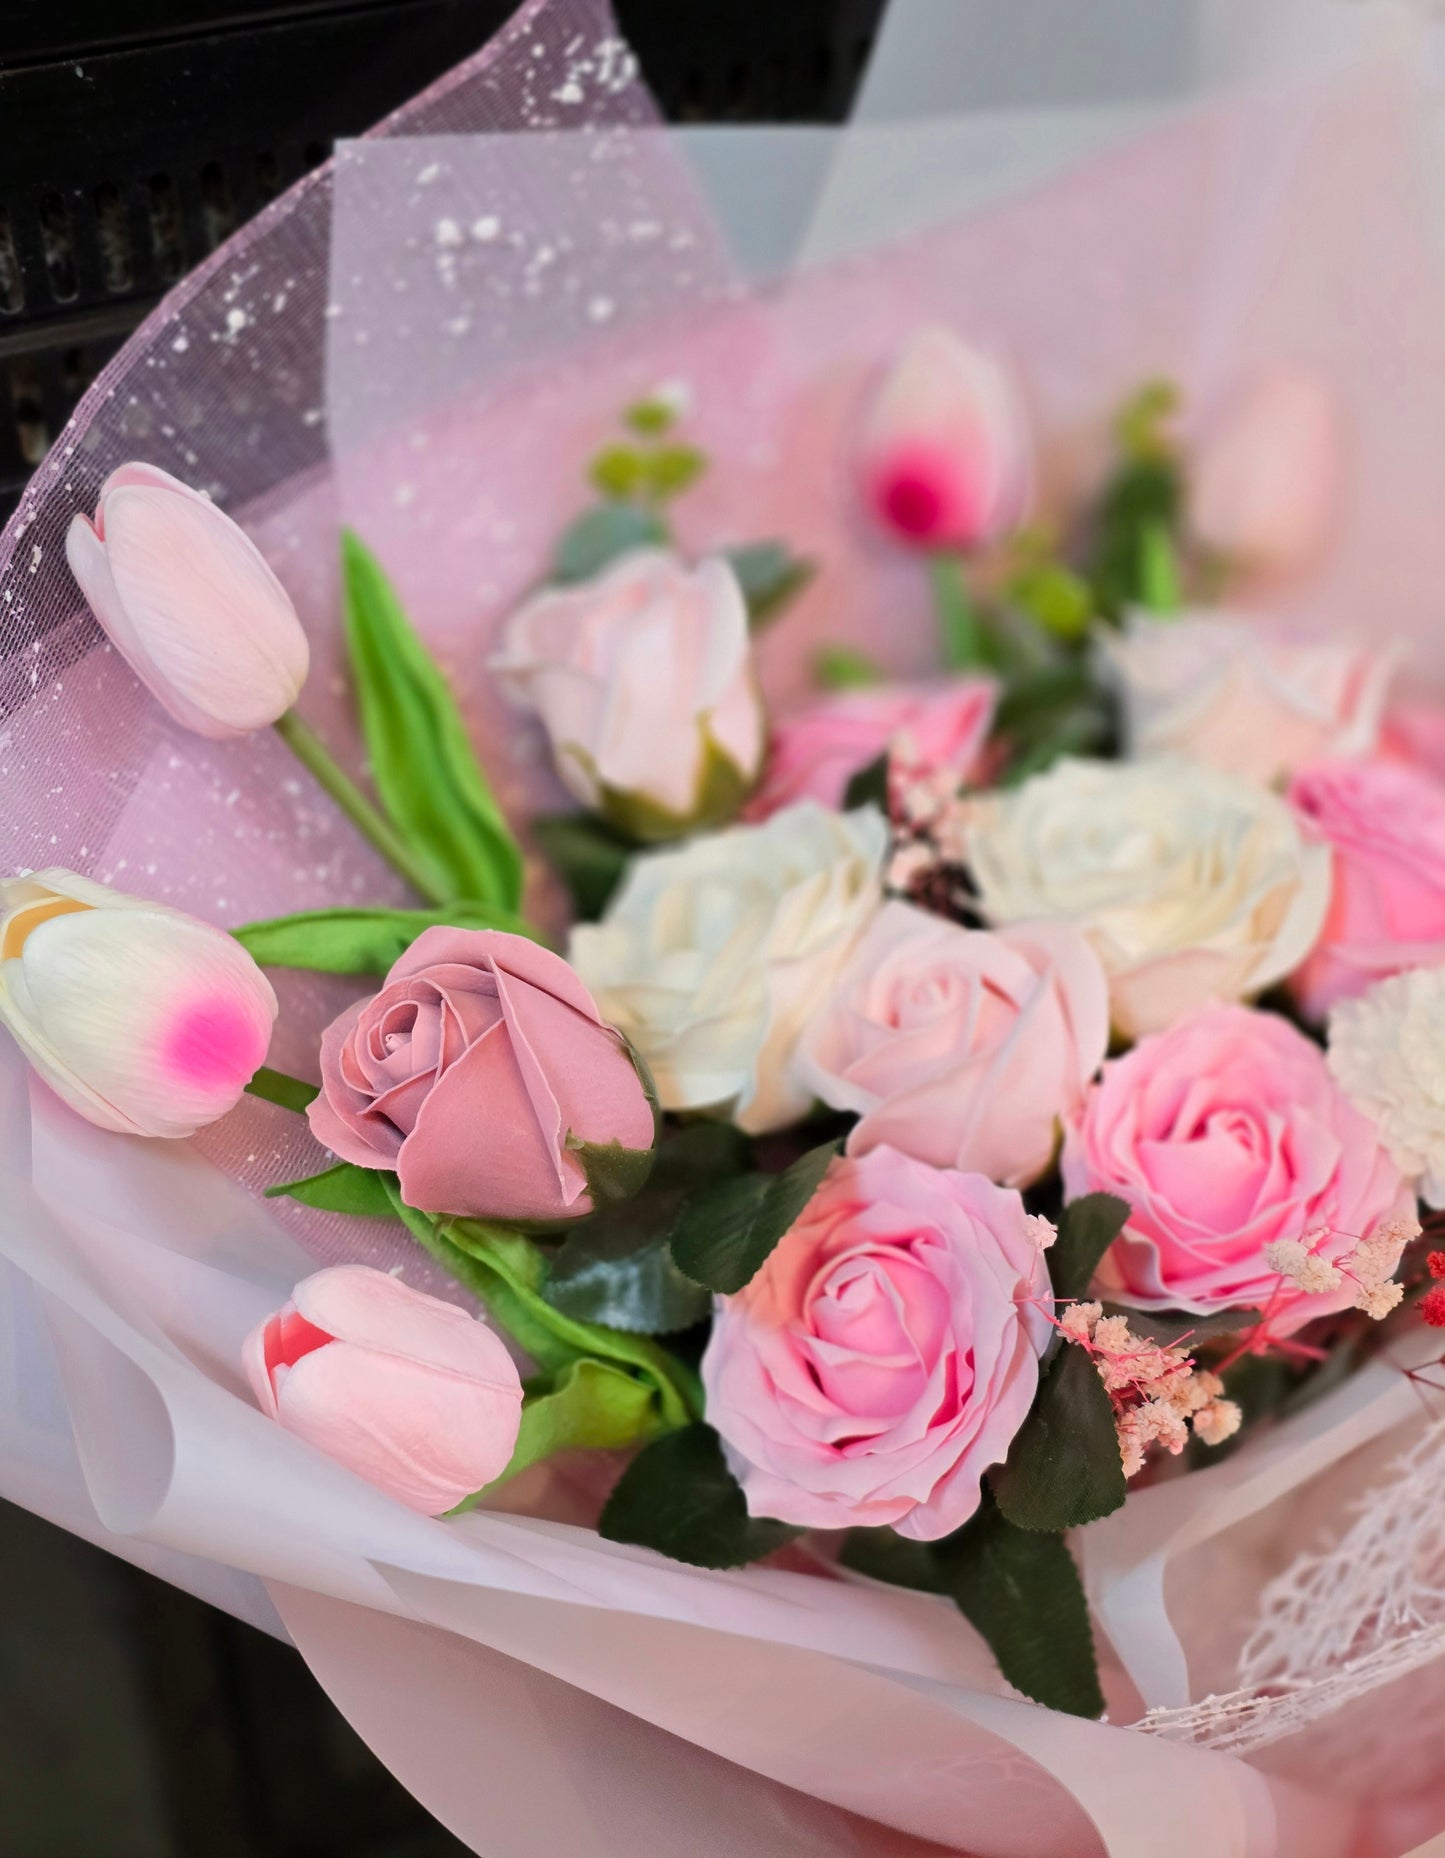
<point>188,601</point>
<point>1266,482</point>
<point>946,454</point>
<point>409,1392</point>
<point>142,1019</point>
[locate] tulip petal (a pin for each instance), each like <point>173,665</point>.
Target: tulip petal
<point>192,605</point>
<point>355,1303</point>
<point>143,1019</point>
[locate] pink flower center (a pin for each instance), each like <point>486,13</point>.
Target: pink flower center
<point>913,502</point>
<point>214,1045</point>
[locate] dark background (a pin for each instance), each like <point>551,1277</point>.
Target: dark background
<point>135,135</point>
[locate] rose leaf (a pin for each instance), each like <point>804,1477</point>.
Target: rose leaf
<point>588,857</point>
<point>361,941</point>
<point>771,577</point>
<point>1087,1228</point>
<point>600,535</point>
<point>724,1234</point>
<point>342,1189</point>
<point>1063,1468</point>
<point>679,1497</point>
<point>1021,1591</point>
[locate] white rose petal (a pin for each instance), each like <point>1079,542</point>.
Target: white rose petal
<point>711,957</point>
<point>1387,1051</point>
<point>1192,885</point>
<point>1232,692</point>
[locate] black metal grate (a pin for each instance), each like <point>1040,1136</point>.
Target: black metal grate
<point>133,148</point>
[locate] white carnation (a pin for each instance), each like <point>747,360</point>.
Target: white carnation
<point>1387,1050</point>
<point>712,956</point>
<point>1191,884</point>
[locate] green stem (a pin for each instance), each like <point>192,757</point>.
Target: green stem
<point>960,626</point>
<point>316,758</point>
<point>1158,569</point>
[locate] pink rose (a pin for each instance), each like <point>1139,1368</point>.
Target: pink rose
<point>962,1048</point>
<point>480,1073</point>
<point>946,451</point>
<point>1385,825</point>
<point>814,754</point>
<point>1225,1134</point>
<point>409,1392</point>
<point>886,1353</point>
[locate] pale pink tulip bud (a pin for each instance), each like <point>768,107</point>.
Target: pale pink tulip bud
<point>946,452</point>
<point>188,601</point>
<point>411,1393</point>
<point>144,1020</point>
<point>1265,483</point>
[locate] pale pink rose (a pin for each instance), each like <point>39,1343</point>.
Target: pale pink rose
<point>1236,694</point>
<point>1226,1134</point>
<point>411,1393</point>
<point>476,1072</point>
<point>946,454</point>
<point>1414,733</point>
<point>188,601</point>
<point>885,1354</point>
<point>144,1020</point>
<point>961,1047</point>
<point>643,679</point>
<point>1384,823</point>
<point>1265,482</point>
<point>816,752</point>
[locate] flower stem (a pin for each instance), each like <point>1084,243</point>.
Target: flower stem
<point>316,758</point>
<point>960,626</point>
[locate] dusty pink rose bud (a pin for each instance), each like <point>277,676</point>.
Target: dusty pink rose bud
<point>1384,823</point>
<point>144,1020</point>
<point>960,1047</point>
<point>644,680</point>
<point>946,454</point>
<point>1265,483</point>
<point>188,601</point>
<point>411,1393</point>
<point>484,1075</point>
<point>886,1353</point>
<point>814,754</point>
<point>1227,1134</point>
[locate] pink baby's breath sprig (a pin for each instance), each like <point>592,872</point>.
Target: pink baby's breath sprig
<point>1368,1266</point>
<point>1157,1392</point>
<point>929,817</point>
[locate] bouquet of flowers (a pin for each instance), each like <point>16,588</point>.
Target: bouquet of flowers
<point>825,1073</point>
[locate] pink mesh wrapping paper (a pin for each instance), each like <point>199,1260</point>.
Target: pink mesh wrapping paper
<point>427,341</point>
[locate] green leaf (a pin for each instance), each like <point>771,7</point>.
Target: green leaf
<point>362,941</point>
<point>589,1406</point>
<point>1063,1468</point>
<point>671,469</point>
<point>770,575</point>
<point>1166,1327</point>
<point>342,1189</point>
<point>1158,570</point>
<point>289,1093</point>
<point>618,471</point>
<point>651,417</point>
<point>508,1273</point>
<point>962,635</point>
<point>724,1235</point>
<point>587,855</point>
<point>617,1267</point>
<point>1088,1226</point>
<point>1056,598</point>
<point>613,1172</point>
<point>422,762</point>
<point>869,786</point>
<point>1022,1593</point>
<point>679,1497</point>
<point>884,1555</point>
<point>599,536</point>
<point>836,667</point>
<point>1144,492</point>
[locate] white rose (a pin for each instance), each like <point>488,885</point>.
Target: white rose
<point>1387,1050</point>
<point>643,679</point>
<point>1230,692</point>
<point>1192,885</point>
<point>711,957</point>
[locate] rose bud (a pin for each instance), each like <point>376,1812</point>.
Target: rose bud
<point>484,1075</point>
<point>1265,483</point>
<point>144,1020</point>
<point>411,1393</point>
<point>188,601</point>
<point>946,453</point>
<point>643,679</point>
